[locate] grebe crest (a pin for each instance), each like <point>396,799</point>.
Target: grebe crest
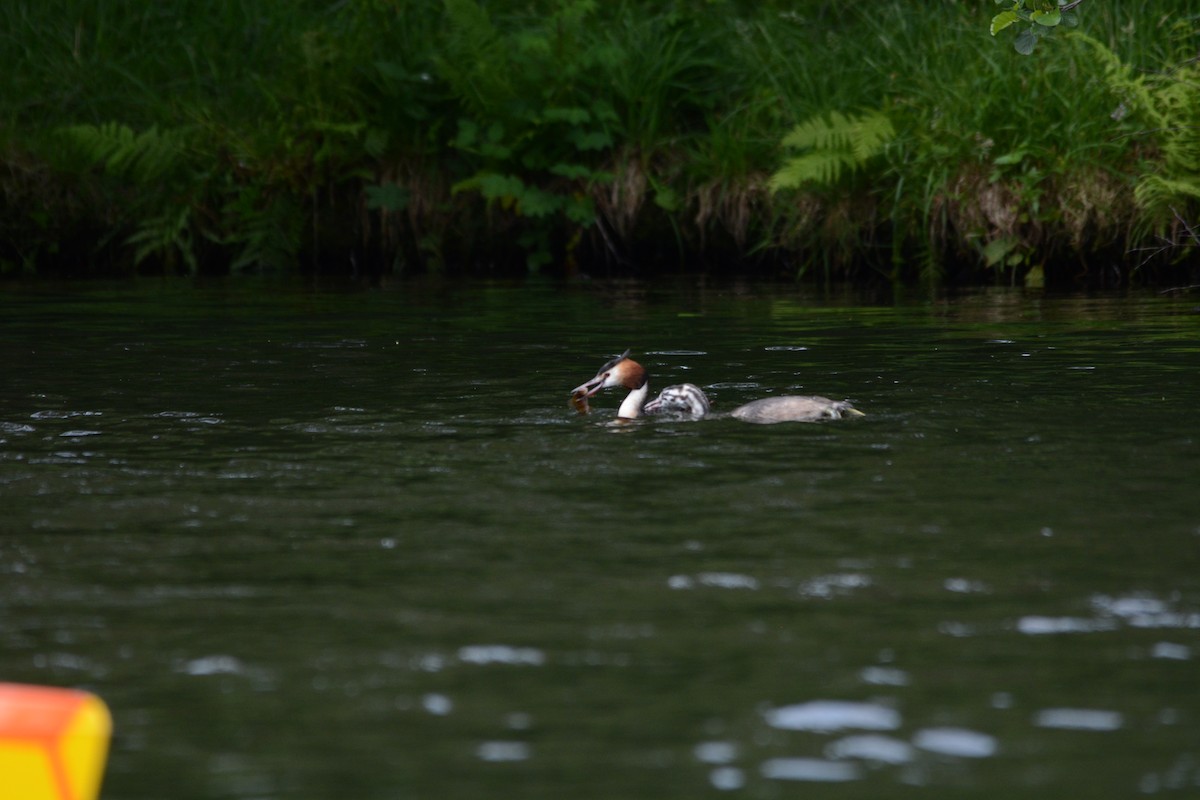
<point>683,400</point>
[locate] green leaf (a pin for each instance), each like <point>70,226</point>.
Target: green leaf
<point>387,196</point>
<point>535,202</point>
<point>997,251</point>
<point>492,186</point>
<point>590,140</point>
<point>1025,42</point>
<point>1035,278</point>
<point>572,171</point>
<point>497,152</point>
<point>603,111</point>
<point>1003,20</point>
<point>468,132</point>
<point>1047,19</point>
<point>572,116</point>
<point>579,209</point>
<point>375,142</point>
<point>1015,157</point>
<point>667,198</point>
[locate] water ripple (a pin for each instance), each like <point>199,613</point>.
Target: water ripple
<point>716,580</point>
<point>715,752</point>
<point>956,742</point>
<point>503,751</point>
<point>1170,650</point>
<point>808,769</point>
<point>213,665</point>
<point>1079,719</point>
<point>501,654</point>
<point>833,715</point>
<point>1041,626</point>
<point>828,585</point>
<point>884,676</point>
<point>727,779</point>
<point>871,747</point>
<point>437,704</point>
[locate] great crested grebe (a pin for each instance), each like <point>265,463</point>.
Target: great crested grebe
<point>689,401</point>
<point>621,371</point>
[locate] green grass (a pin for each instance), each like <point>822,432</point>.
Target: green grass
<point>622,137</point>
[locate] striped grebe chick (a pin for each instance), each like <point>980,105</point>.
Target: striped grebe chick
<point>688,400</point>
<point>683,400</point>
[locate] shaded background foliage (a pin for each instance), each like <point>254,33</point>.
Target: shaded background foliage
<point>885,141</point>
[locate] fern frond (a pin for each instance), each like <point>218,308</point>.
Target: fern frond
<point>167,236</point>
<point>837,145</point>
<point>263,229</point>
<point>145,157</point>
<point>1162,199</point>
<point>1170,103</point>
<point>1121,79</point>
<point>823,167</point>
<point>477,63</point>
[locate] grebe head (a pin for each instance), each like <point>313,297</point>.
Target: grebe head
<point>622,371</point>
<point>681,400</point>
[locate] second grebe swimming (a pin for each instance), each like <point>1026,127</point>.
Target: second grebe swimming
<point>689,401</point>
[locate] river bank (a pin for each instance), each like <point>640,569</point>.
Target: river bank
<point>871,143</point>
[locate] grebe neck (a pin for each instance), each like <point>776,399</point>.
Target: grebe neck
<point>631,406</point>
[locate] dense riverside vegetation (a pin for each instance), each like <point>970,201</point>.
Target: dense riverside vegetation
<point>886,140</point>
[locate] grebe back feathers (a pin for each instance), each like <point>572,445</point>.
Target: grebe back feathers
<point>794,408</point>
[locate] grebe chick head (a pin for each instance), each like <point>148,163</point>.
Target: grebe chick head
<point>622,371</point>
<point>683,400</point>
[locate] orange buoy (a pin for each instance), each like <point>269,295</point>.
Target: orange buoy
<point>53,742</point>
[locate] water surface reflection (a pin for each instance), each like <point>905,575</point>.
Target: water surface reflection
<point>321,544</point>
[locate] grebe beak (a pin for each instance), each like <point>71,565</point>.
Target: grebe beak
<point>581,393</point>
<point>609,375</point>
<point>591,387</point>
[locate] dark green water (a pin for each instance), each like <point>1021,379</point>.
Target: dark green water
<point>355,544</point>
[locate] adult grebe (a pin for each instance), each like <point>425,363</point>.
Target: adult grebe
<point>621,371</point>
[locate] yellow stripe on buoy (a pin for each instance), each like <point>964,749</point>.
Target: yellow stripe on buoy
<point>53,742</point>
